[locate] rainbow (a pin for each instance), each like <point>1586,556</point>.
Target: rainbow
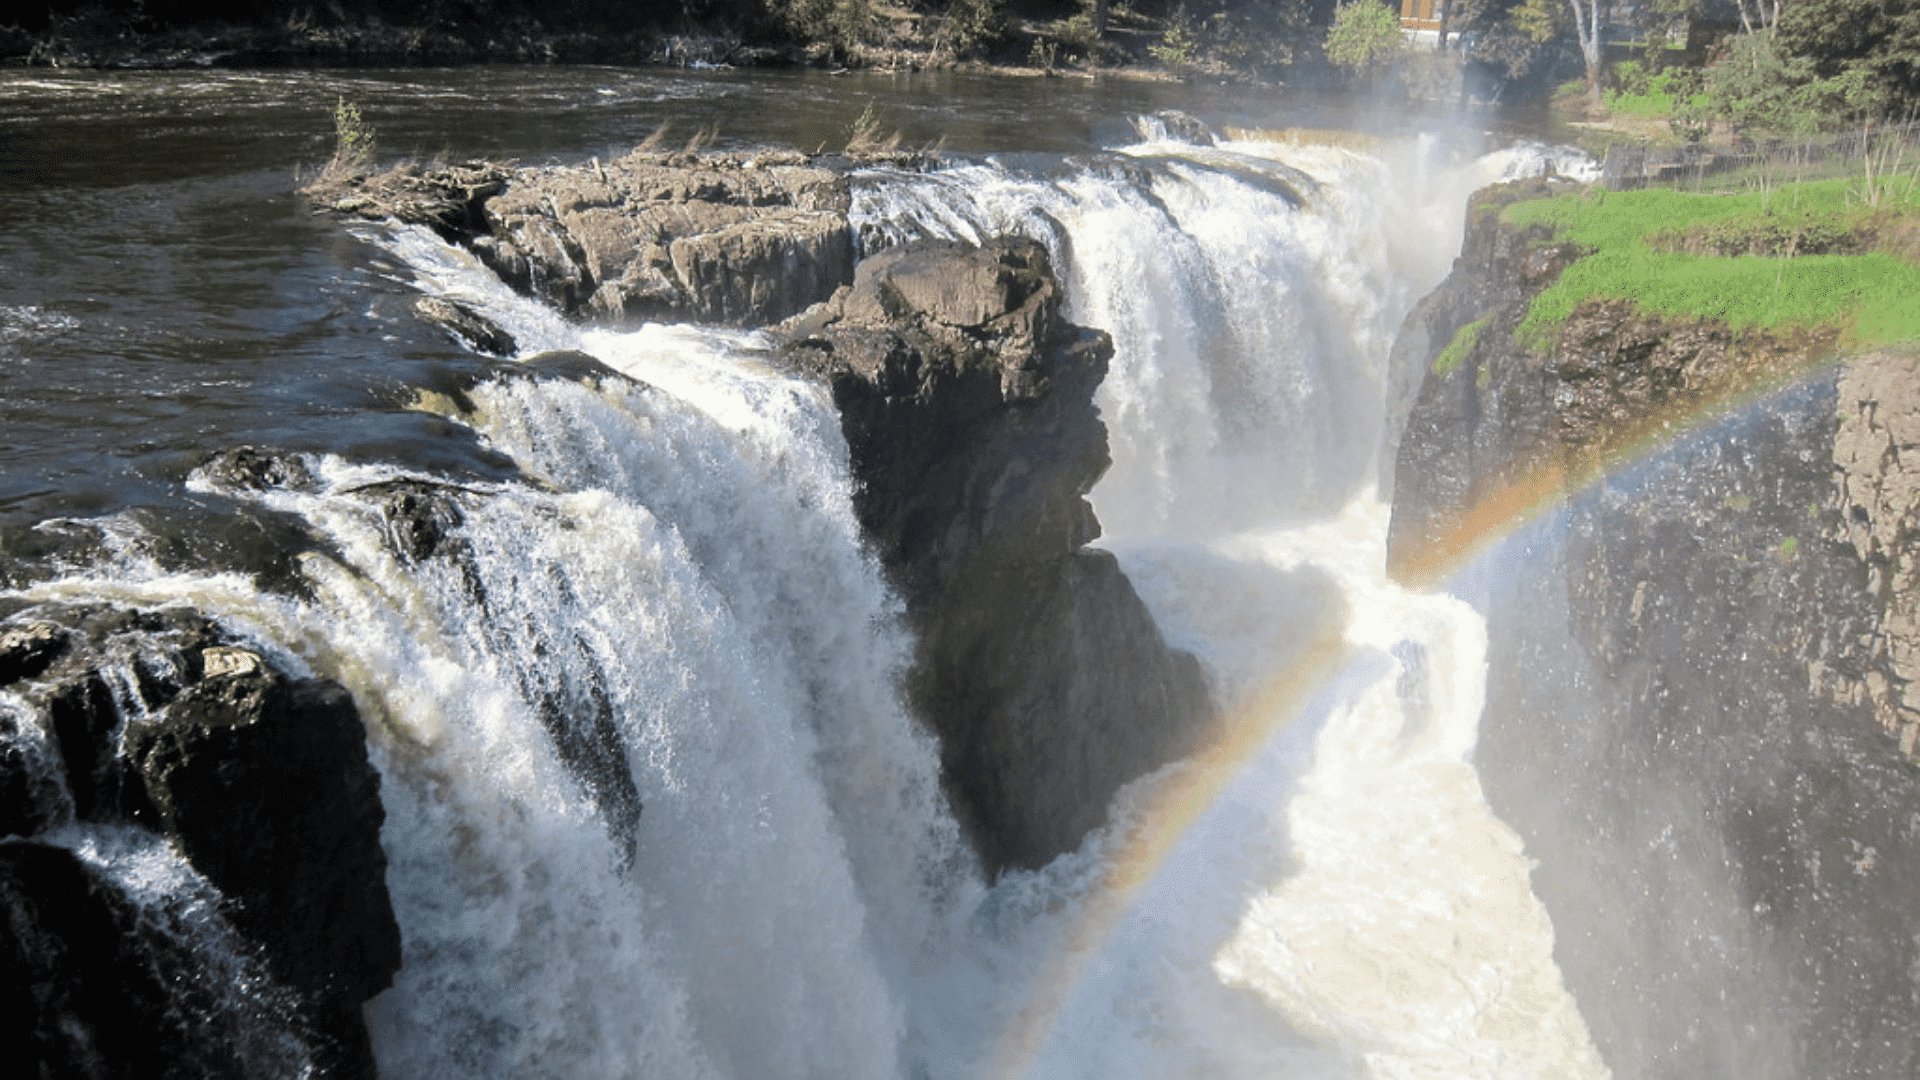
<point>1178,804</point>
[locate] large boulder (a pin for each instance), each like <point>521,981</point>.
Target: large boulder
<point>967,404</point>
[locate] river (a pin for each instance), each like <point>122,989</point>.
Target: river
<point>1327,895</point>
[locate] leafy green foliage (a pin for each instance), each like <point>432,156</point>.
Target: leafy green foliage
<point>353,140</point>
<point>838,25</point>
<point>1867,296</point>
<point>1877,39</point>
<point>1692,118</point>
<point>973,25</point>
<point>1534,19</point>
<point>1662,94</point>
<point>1762,85</point>
<point>1175,48</point>
<point>1364,34</point>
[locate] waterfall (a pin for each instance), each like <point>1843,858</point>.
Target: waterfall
<point>654,806</point>
<point>1350,888</point>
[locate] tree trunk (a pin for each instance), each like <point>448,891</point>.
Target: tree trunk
<point>1586,22</point>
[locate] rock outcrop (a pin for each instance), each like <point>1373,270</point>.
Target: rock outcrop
<point>1696,710</point>
<point>742,240</point>
<point>967,404</point>
<point>157,722</point>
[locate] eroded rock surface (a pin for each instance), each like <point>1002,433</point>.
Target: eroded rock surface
<point>1879,477</point>
<point>742,240</point>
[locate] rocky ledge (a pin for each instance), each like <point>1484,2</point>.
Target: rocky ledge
<point>157,725</point>
<point>735,239</point>
<point>1699,713</point>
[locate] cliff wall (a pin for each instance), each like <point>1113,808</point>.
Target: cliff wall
<point>1697,710</point>
<point>967,402</point>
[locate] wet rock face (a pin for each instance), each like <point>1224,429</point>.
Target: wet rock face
<point>466,326</point>
<point>156,721</point>
<point>1498,422</point>
<point>968,410</point>
<point>1696,710</point>
<point>84,986</point>
<point>742,240</point>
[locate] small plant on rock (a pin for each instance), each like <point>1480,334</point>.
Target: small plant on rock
<point>353,141</point>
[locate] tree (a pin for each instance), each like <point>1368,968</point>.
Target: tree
<point>1364,33</point>
<point>1587,27</point>
<point>1869,41</point>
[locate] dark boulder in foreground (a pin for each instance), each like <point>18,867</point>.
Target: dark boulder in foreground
<point>156,725</point>
<point>967,404</point>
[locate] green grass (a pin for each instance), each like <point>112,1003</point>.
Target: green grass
<point>1455,353</point>
<point>1656,104</point>
<point>1869,298</point>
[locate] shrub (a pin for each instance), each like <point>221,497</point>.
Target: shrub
<point>972,25</point>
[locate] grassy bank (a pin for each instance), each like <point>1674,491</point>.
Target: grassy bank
<point>1836,255</point>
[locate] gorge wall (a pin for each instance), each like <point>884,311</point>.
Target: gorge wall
<point>1697,712</point>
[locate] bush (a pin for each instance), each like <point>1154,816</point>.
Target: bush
<point>1760,86</point>
<point>1631,79</point>
<point>353,143</point>
<point>1175,48</point>
<point>840,25</point>
<point>972,25</point>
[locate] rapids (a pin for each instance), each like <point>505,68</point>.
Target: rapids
<point>671,586</point>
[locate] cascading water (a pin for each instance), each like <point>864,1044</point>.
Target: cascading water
<point>654,806</point>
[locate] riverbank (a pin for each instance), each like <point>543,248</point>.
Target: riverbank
<point>899,40</point>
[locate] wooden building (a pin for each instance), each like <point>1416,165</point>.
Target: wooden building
<point>1420,14</point>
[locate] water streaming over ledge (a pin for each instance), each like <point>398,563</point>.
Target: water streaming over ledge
<point>676,609</point>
